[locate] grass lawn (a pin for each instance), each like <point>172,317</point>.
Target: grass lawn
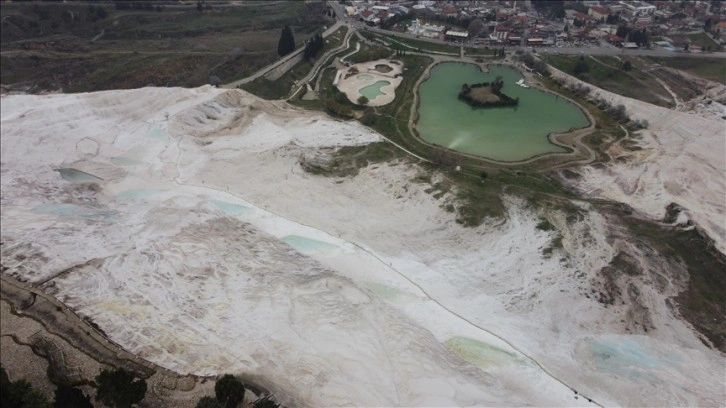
<point>279,88</point>
<point>700,39</point>
<point>411,44</point>
<point>336,39</point>
<point>605,73</point>
<point>709,68</point>
<point>480,52</point>
<point>704,40</point>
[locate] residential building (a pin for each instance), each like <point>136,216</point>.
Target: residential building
<point>452,35</point>
<point>635,8</point>
<point>598,12</point>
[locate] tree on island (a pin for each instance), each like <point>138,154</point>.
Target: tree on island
<point>498,84</point>
<point>486,95</point>
<point>286,44</point>
<point>362,100</point>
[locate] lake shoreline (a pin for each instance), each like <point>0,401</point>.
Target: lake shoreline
<point>574,149</point>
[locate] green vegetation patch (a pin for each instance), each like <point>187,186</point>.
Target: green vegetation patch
<point>411,44</point>
<point>347,161</point>
<point>709,68</point>
<point>481,354</point>
<point>703,303</point>
<point>700,39</point>
<point>78,48</point>
<point>614,75</point>
<point>281,87</point>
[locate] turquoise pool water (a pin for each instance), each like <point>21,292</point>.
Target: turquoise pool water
<point>73,210</point>
<point>139,194</point>
<point>157,133</point>
<point>123,161</point>
<point>373,91</point>
<point>364,77</point>
<point>307,245</point>
<point>77,176</point>
<point>480,353</point>
<point>229,208</point>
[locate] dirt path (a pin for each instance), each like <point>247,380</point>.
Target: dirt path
<point>676,100</point>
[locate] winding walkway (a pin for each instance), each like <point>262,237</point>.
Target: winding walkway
<point>322,61</point>
<point>281,61</point>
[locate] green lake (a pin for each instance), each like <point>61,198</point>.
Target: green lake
<point>501,133</point>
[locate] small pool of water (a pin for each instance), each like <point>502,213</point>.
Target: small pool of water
<point>157,133</point>
<point>230,208</point>
<point>480,353</point>
<point>77,176</point>
<point>123,161</point>
<point>389,293</point>
<point>307,245</point>
<point>73,210</point>
<point>139,194</point>
<point>623,353</point>
<point>364,77</point>
<point>373,91</point>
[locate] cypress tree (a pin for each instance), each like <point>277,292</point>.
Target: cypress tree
<point>287,42</point>
<point>321,42</point>
<point>308,51</point>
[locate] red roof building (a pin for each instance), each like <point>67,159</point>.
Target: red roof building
<point>598,12</point>
<point>614,39</point>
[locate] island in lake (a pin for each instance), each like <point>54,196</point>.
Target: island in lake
<point>486,94</point>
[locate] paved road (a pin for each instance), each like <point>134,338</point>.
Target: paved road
<point>594,50</point>
<point>353,25</point>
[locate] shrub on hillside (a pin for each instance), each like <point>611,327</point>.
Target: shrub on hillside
<point>119,389</point>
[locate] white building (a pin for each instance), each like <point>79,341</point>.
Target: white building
<point>636,8</point>
<point>417,27</point>
<point>456,35</point>
<point>397,8</point>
